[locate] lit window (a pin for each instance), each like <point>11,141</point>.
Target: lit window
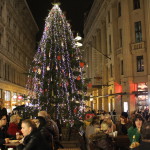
<point>7,95</point>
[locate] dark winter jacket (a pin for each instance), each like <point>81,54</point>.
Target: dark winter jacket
<point>101,141</point>
<point>143,146</point>
<point>3,135</point>
<point>34,141</point>
<point>122,128</point>
<point>47,136</point>
<point>52,128</point>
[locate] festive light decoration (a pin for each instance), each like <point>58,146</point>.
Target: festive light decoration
<point>81,64</point>
<point>56,82</point>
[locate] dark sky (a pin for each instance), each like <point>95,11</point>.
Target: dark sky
<point>74,11</point>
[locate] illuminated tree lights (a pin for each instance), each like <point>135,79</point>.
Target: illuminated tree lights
<point>55,80</point>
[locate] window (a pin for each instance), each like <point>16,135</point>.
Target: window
<point>119,9</point>
<point>136,4</point>
<point>7,96</point>
<point>120,36</point>
<point>7,67</point>
<point>138,32</point>
<point>111,71</point>
<point>110,43</point>
<point>140,63</point>
<point>108,16</point>
<point>1,10</point>
<point>121,67</point>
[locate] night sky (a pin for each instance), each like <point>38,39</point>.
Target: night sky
<point>73,9</point>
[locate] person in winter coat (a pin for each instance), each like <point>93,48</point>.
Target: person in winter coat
<point>33,140</point>
<point>4,138</point>
<point>145,136</point>
<point>41,126</point>
<point>136,128</point>
<point>52,128</point>
<point>13,126</point>
<point>93,128</point>
<point>123,125</point>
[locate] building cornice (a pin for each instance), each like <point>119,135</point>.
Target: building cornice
<point>96,17</point>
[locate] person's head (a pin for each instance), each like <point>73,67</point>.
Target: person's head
<point>145,131</point>
<point>95,121</point>
<point>27,127</point>
<point>138,121</point>
<point>106,126</point>
<point>40,122</point>
<point>15,119</point>
<point>42,114</point>
<point>107,116</point>
<point>3,120</point>
<point>124,117</point>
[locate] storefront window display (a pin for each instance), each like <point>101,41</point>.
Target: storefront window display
<point>142,96</point>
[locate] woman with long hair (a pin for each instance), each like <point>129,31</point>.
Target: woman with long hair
<point>33,139</point>
<point>134,130</point>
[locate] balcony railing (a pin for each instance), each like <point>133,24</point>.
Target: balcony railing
<point>138,46</point>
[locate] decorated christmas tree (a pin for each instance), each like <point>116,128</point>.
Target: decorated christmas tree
<point>56,82</point>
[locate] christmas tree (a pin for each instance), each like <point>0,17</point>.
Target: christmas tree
<point>56,82</point>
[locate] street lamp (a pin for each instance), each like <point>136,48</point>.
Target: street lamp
<point>78,38</point>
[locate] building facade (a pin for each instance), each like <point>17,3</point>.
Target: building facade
<point>117,51</point>
<point>17,45</point>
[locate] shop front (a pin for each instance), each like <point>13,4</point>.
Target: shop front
<point>141,94</point>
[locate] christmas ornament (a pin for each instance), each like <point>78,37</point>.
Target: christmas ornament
<point>78,78</point>
<point>58,57</point>
<point>81,64</point>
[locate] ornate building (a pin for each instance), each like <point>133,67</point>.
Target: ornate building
<point>17,44</point>
<point>117,50</point>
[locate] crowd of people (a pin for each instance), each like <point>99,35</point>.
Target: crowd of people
<point>101,131</point>
<point>40,133</point>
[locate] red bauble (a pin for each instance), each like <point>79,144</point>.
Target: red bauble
<point>67,83</point>
<point>58,57</point>
<point>81,64</point>
<point>78,78</point>
<point>34,69</point>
